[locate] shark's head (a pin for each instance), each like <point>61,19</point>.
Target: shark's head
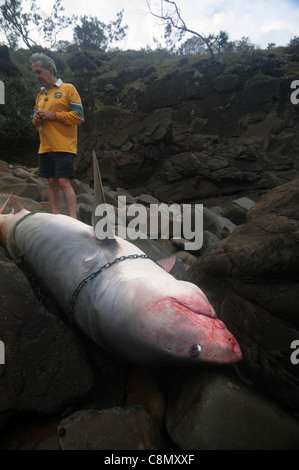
<point>203,337</point>
<point>170,320</point>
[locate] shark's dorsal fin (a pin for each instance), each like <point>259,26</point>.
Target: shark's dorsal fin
<point>100,216</point>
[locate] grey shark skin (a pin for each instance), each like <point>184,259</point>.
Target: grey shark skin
<point>134,309</point>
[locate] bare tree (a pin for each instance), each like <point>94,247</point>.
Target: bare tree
<point>170,14</point>
<point>17,24</point>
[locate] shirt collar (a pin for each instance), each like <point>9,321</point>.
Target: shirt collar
<point>58,83</point>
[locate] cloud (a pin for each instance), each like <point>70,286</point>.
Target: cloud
<point>277,25</point>
<point>263,21</point>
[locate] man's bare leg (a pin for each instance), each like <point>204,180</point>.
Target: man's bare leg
<point>54,195</point>
<point>69,196</point>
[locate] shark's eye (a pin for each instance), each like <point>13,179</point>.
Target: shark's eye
<point>195,350</point>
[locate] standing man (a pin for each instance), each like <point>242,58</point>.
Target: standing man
<point>57,113</point>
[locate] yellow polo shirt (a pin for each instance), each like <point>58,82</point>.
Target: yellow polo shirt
<point>60,135</point>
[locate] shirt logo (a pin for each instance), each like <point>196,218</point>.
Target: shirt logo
<point>57,94</point>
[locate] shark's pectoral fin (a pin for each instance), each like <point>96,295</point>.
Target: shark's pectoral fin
<point>167,263</point>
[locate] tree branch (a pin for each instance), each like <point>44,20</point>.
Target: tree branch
<point>173,19</point>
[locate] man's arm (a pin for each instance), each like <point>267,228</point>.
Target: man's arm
<point>75,113</point>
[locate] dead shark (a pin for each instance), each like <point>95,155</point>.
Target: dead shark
<point>115,294</point>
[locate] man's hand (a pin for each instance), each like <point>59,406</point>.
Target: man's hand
<point>44,115</point>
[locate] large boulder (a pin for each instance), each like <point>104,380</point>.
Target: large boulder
<point>45,367</point>
<point>216,411</point>
<point>128,428</point>
<point>252,280</point>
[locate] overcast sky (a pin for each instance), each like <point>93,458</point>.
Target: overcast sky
<point>263,21</point>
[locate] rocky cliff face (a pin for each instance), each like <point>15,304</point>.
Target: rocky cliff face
<point>182,129</point>
<point>202,130</point>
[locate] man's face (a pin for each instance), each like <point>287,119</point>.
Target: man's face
<point>45,77</point>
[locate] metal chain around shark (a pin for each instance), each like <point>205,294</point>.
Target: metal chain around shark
<point>93,275</point>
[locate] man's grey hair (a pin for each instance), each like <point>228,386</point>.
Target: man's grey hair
<point>46,61</point>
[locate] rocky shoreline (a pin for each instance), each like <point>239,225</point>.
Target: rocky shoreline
<point>60,391</point>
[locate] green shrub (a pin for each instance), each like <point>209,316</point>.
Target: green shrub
<point>15,121</point>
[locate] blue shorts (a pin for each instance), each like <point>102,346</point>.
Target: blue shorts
<point>56,165</point>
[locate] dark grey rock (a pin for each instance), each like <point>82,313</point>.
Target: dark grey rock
<point>129,428</point>
<point>215,411</point>
<point>251,279</point>
<point>45,368</point>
